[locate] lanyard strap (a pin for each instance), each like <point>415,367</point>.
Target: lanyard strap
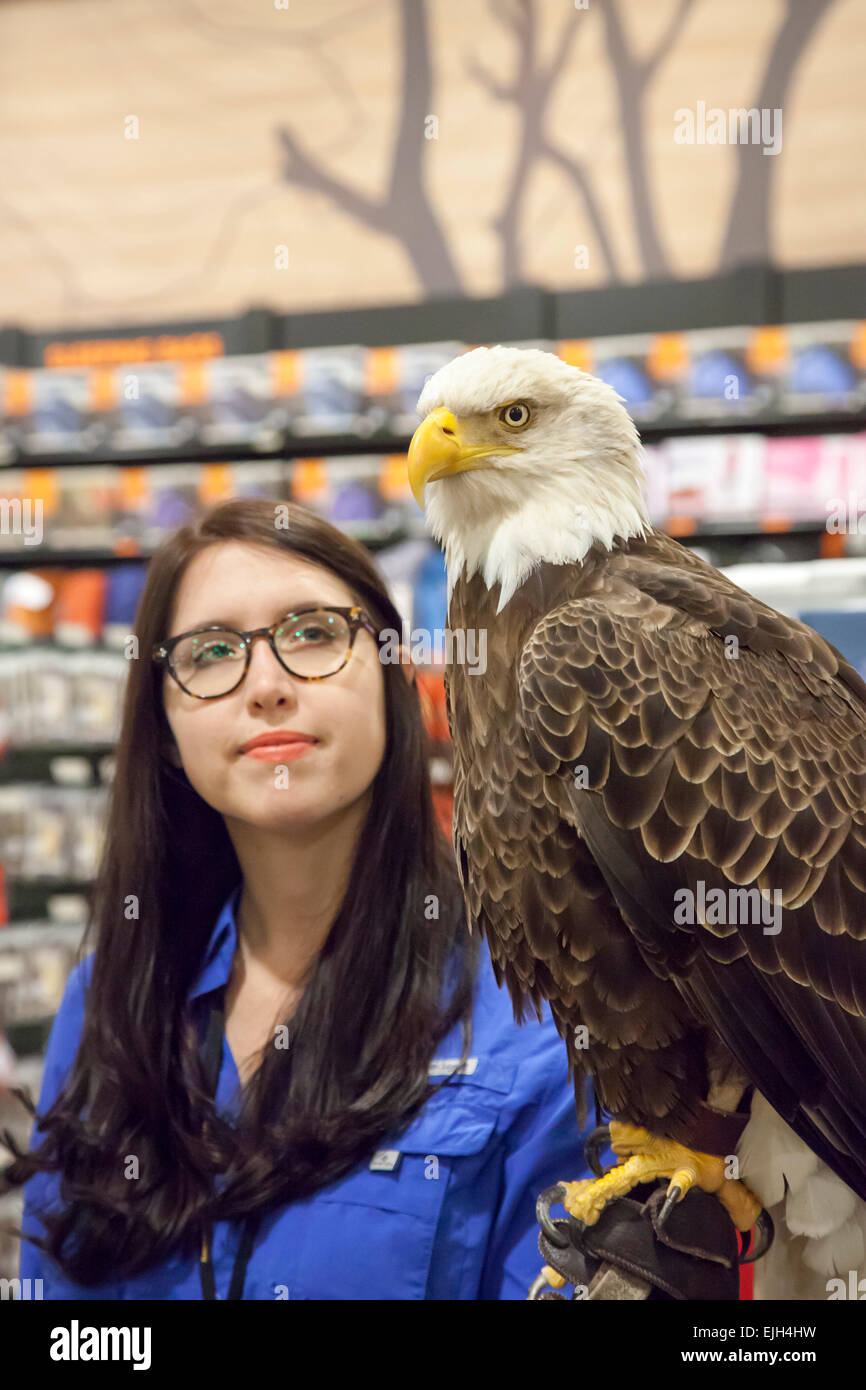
<point>213,1049</point>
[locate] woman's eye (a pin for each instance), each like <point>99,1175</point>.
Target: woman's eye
<point>213,650</point>
<point>517,414</point>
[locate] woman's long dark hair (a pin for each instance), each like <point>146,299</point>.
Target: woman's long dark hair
<point>387,987</point>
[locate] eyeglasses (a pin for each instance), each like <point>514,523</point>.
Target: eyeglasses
<point>310,643</point>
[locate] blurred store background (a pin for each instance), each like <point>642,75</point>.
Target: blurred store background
<point>237,237</point>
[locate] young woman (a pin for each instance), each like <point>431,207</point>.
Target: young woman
<point>285,1071</point>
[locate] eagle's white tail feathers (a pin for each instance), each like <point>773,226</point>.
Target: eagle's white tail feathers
<point>820,1223</point>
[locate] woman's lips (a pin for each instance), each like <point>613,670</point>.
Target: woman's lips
<point>279,752</point>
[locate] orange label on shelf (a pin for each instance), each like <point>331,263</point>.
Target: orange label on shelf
<point>17,393</point>
<point>215,483</point>
<point>309,479</point>
<point>41,484</point>
<point>134,488</point>
<point>165,347</point>
<point>126,545</point>
<point>858,346</point>
<point>668,356</point>
<point>101,389</point>
<point>577,352</point>
<point>394,477</point>
<point>382,370</point>
<point>832,545</point>
<point>285,373</point>
<point>768,349</point>
<point>193,383</point>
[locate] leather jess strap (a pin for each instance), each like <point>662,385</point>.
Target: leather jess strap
<point>710,1130</point>
<point>718,1132</point>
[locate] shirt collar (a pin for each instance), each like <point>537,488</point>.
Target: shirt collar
<point>217,964</point>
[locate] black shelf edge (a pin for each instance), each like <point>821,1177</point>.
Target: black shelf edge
<point>750,294</point>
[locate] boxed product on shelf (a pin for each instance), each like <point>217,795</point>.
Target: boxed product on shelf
<point>801,474</point>
<point>28,604</point>
<point>80,607</point>
<point>36,693</point>
<point>64,603</point>
<point>24,528</point>
<point>13,819</point>
<point>61,696</point>
<point>51,410</point>
<point>355,492</point>
<point>152,405</point>
<point>240,405</point>
<point>57,508</point>
<point>169,498</point>
<point>97,680</point>
<point>395,378</point>
<point>34,840</point>
<point>34,968</point>
<point>326,391</point>
<point>218,482</point>
<point>131,504</point>
<point>430,605</point>
<point>845,509</point>
<point>399,565</point>
<point>643,368</point>
<point>826,368</point>
<point>47,831</point>
<point>710,478</point>
<point>153,499</point>
<point>124,586</point>
<point>733,373</point>
<point>78,505</point>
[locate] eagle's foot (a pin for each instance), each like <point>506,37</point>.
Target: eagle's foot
<point>649,1157</point>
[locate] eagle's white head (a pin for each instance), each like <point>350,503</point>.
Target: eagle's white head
<point>559,453</point>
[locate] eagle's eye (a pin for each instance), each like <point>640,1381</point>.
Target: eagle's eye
<point>516,415</point>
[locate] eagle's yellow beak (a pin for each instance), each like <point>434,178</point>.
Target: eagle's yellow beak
<point>437,451</point>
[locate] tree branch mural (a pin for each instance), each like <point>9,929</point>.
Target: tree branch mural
<point>556,118</point>
<point>405,212</point>
<point>633,76</point>
<point>530,91</point>
<point>747,235</point>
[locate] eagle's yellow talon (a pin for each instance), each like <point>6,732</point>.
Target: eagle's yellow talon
<point>684,1178</point>
<point>649,1158</point>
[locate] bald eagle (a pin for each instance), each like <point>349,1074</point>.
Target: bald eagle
<point>659,812</point>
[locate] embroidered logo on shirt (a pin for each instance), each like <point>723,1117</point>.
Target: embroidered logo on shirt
<point>384,1160</point>
<point>444,1066</point>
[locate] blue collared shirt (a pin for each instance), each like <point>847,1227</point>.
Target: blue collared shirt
<point>447,1213</point>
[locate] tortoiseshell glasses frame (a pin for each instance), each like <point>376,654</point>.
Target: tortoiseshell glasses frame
<point>355,617</point>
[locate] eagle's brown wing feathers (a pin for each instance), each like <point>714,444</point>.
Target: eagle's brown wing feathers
<point>733,763</point>
<point>534,891</point>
